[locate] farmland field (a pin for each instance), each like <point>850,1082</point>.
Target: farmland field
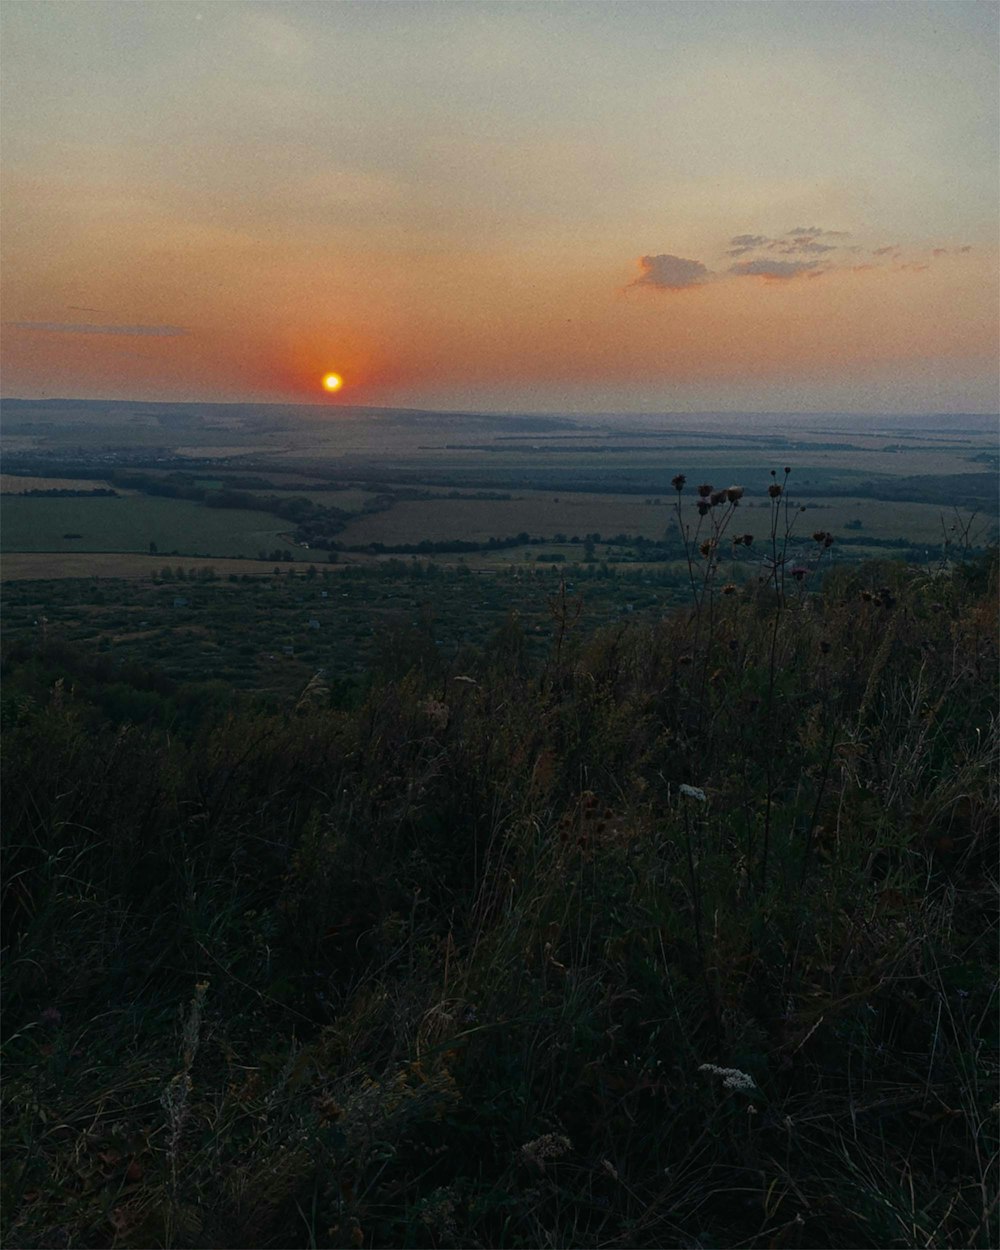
<point>310,480</point>
<point>542,514</point>
<point>12,484</point>
<point>131,524</point>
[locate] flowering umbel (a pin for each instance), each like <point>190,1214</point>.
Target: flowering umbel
<point>732,1078</point>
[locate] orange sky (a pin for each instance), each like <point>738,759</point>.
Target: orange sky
<point>449,205</point>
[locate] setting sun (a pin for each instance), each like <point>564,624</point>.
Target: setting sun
<point>332,382</point>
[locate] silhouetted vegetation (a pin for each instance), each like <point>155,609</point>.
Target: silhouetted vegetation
<point>679,932</point>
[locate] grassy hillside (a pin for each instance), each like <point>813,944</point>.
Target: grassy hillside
<point>680,934</point>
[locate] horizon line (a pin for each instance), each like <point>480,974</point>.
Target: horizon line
<point>509,412</point>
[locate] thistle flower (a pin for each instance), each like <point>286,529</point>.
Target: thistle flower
<point>798,571</point>
<point>729,588</point>
<point>705,489</point>
<point>678,482</point>
<point>704,507</point>
<point>747,540</point>
<point>717,497</point>
<point>774,490</point>
<point>734,493</point>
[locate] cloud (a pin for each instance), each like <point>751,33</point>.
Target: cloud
<point>742,243</point>
<point>886,251</point>
<point>808,246</point>
<point>670,273</point>
<point>816,232</point>
<point>79,327</point>
<point>774,270</point>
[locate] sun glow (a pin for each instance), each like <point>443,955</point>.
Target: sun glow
<point>332,382</point>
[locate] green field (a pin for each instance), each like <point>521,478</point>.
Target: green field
<point>541,514</point>
<point>132,523</point>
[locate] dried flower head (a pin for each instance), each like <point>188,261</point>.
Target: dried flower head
<point>717,497</point>
<point>704,507</point>
<point>729,588</point>
<point>798,571</point>
<point>774,490</point>
<point>733,493</point>
<point>545,1149</point>
<point>705,489</point>
<point>678,482</point>
<point>747,540</point>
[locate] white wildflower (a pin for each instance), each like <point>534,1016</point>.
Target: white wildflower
<point>732,1078</point>
<point>692,792</point>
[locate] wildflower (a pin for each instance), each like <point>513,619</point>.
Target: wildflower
<point>734,493</point>
<point>717,497</point>
<point>729,588</point>
<point>706,548</point>
<point>693,792</point>
<point>704,507</point>
<point>705,489</point>
<point>545,1149</point>
<point>798,571</point>
<point>732,1078</point>
<point>747,540</point>
<point>774,490</point>
<point>819,536</point>
<point>678,482</point>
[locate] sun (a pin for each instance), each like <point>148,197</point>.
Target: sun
<point>332,382</point>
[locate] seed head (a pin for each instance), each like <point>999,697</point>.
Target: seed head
<point>678,482</point>
<point>733,493</point>
<point>705,489</point>
<point>774,490</point>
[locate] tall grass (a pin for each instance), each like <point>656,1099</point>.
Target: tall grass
<point>469,964</point>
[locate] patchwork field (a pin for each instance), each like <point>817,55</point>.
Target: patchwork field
<point>879,484</point>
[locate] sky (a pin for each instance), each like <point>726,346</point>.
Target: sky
<point>548,206</point>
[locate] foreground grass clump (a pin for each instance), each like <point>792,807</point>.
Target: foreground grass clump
<point>685,937</point>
